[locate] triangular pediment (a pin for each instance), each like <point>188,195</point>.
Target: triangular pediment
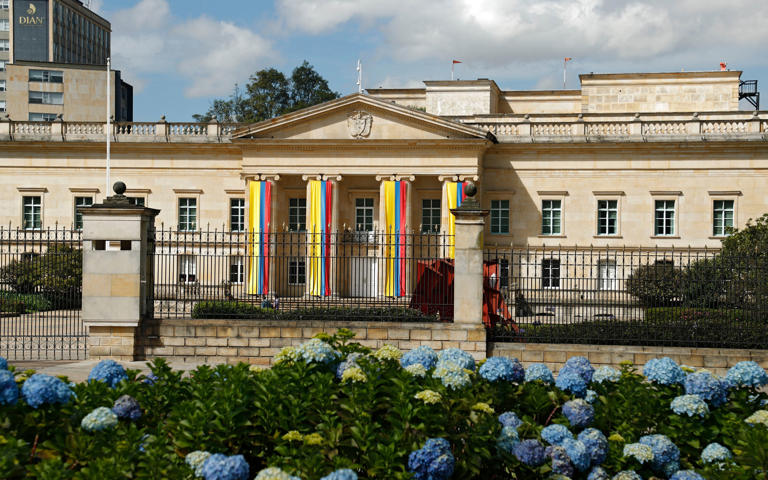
<point>359,117</point>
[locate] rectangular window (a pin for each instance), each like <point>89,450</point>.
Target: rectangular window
<point>606,275</point>
<point>81,202</point>
<point>550,273</point>
<point>42,117</point>
<point>363,214</point>
<point>46,98</point>
<point>3,4</point>
<point>237,214</point>
<point>32,213</point>
<point>2,65</point>
<point>46,76</point>
<point>2,105</point>
<point>297,271</point>
<point>2,85</point>
<point>4,45</point>
<point>551,212</point>
<point>187,214</point>
<point>187,269</point>
<point>430,215</point>
<point>722,218</point>
<point>138,201</point>
<point>4,25</point>
<point>607,217</point>
<point>297,214</point>
<point>664,223</point>
<point>499,216</point>
<point>236,270</point>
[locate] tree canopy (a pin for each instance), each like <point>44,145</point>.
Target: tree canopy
<point>270,93</point>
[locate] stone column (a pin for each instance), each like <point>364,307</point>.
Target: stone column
<point>118,274</point>
<point>468,266</point>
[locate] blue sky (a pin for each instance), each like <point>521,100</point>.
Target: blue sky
<point>181,54</point>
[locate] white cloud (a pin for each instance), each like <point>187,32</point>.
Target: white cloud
<point>493,34</point>
<point>211,54</point>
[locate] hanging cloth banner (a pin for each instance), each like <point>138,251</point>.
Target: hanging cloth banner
<point>395,193</point>
<point>454,194</point>
<point>319,231</point>
<point>259,218</point>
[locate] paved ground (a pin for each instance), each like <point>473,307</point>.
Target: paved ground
<point>78,371</point>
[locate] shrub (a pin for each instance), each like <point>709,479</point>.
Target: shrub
<point>32,302</point>
<point>655,285</point>
<point>20,275</point>
<point>57,275</point>
<point>10,304</point>
<point>229,309</point>
<point>243,310</point>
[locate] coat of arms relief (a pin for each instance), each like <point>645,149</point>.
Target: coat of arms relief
<point>359,124</point>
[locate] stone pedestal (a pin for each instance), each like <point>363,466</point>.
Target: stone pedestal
<point>117,274</point>
<point>468,266</point>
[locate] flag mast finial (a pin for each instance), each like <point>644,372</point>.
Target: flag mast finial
<point>359,76</point>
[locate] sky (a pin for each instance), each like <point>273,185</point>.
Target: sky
<point>181,54</point>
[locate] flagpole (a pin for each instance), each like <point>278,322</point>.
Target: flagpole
<point>109,124</point>
<point>565,65</point>
<point>452,65</point>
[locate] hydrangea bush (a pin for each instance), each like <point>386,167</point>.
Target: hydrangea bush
<point>331,409</point>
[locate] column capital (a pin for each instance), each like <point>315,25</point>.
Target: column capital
<point>458,178</point>
<point>396,177</point>
<point>322,176</point>
<point>255,177</point>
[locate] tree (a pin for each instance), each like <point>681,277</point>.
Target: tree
<point>655,285</point>
<point>268,94</point>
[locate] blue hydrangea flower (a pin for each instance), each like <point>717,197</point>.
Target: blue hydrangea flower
<point>221,467</point>
<point>561,463</point>
<point>507,439</point>
<point>502,368</point>
<point>715,453</point>
<point>555,434</point>
<point>422,354</point>
<point>664,371</point>
<point>9,392</point>
<point>273,473</point>
<point>747,374</point>
<point>577,452</point>
<point>151,379</point>
<point>686,475</point>
<point>99,419</point>
<point>590,396</point>
<point>40,389</point>
<point>581,366</point>
<point>195,460</point>
<point>598,473</point>
<point>3,364</point>
<point>579,413</point>
<point>510,419</point>
<point>666,455</point>
<point>570,381</point>
<point>451,374</point>
<point>596,445</point>
<point>343,474</point>
<point>606,374</point>
<point>433,461</point>
<point>317,351</point>
<point>127,408</point>
<point>627,475</point>
<point>350,361</point>
<point>457,356</point>
<point>531,452</point>
<point>539,371</point>
<point>708,387</point>
<point>108,371</point>
<point>640,452</point>
<point>691,405</point>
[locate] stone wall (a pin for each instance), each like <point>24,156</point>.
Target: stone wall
<point>716,360</point>
<point>258,341</point>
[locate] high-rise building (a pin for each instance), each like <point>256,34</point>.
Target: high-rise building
<point>50,54</point>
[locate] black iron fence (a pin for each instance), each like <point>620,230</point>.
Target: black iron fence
<point>351,275</point>
<point>628,296</point>
<point>41,294</point>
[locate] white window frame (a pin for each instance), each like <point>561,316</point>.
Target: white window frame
<point>39,205</point>
<point>187,227</point>
<point>366,211</point>
<point>5,45</point>
<point>236,270</point>
<point>46,98</point>
<point>2,65</point>
<point>237,212</point>
<point>295,211</point>
<point>51,117</point>
<point>608,197</point>
<point>5,25</point>
<point>4,4</point>
<point>89,201</point>
<point>187,265</point>
<point>723,233</point>
<point>2,105</point>
<point>498,209</point>
<point>547,279</point>
<point>2,85</point>
<point>604,281</point>
<point>664,211</point>
<point>295,264</point>
<point>47,76</point>
<point>432,226</point>
<point>552,233</point>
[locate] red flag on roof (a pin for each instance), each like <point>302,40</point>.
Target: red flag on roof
<point>456,61</point>
<point>722,66</point>
<point>568,59</point>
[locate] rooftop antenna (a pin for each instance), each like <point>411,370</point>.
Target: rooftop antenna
<point>565,66</point>
<point>359,76</point>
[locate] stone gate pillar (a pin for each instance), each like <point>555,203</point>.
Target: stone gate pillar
<point>117,274</point>
<point>468,266</point>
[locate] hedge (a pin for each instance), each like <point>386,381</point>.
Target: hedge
<point>244,310</point>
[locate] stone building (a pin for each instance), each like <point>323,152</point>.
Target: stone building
<point>629,160</point>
